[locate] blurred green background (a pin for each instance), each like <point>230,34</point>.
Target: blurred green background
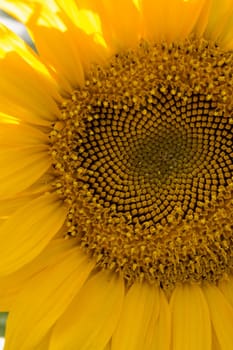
<point>3,317</point>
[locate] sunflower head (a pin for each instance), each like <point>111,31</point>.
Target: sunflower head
<point>116,189</point>
<point>143,157</point>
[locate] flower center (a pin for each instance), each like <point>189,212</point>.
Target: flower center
<point>143,158</point>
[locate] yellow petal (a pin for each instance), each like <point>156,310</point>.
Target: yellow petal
<point>221,313</point>
<point>85,27</point>
<point>7,300</point>
<point>27,232</point>
<point>171,19</point>
<point>118,31</point>
<point>203,19</point>
<point>134,321</point>
<point>9,206</point>
<point>44,299</point>
<point>12,42</point>
<point>159,331</point>
<point>63,60</point>
<point>21,168</point>
<point>44,344</point>
<point>18,9</point>
<point>44,12</point>
<point>7,119</point>
<point>226,38</point>
<point>12,284</point>
<point>220,13</point>
<point>226,288</point>
<point>85,19</point>
<point>191,327</point>
<point>92,317</point>
<point>108,346</point>
<point>42,185</point>
<point>31,94</point>
<point>215,343</point>
<point>21,135</point>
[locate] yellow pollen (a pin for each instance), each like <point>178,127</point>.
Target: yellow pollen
<point>143,158</point>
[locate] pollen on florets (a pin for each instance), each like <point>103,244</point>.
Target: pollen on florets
<point>143,158</point>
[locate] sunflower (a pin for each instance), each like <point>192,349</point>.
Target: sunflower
<point>116,184</point>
